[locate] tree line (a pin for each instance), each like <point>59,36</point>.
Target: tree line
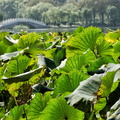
<point>57,12</point>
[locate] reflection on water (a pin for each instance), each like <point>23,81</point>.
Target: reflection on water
<point>62,29</point>
<point>68,29</point>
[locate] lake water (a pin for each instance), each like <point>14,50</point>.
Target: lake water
<point>62,29</point>
<point>68,29</point>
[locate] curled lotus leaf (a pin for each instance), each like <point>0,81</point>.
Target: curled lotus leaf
<point>21,77</point>
<point>85,91</point>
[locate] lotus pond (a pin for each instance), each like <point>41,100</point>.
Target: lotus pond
<point>60,75</point>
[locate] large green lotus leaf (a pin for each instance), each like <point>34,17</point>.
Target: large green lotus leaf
<point>32,41</point>
<point>116,53</point>
<point>109,80</point>
<point>104,49</point>
<point>16,113</point>
<point>41,64</point>
<point>18,65</point>
<point>13,88</point>
<point>2,87</point>
<point>78,61</point>
<point>99,62</point>
<point>86,91</point>
<point>45,36</point>
<point>16,36</point>
<point>2,35</point>
<point>85,39</point>
<point>60,54</point>
<point>1,72</point>
<point>113,36</point>
<point>58,109</point>
<point>12,48</point>
<point>49,53</point>
<point>37,105</point>
<point>78,30</point>
<point>69,82</point>
<point>116,47</point>
<point>37,77</point>
<point>57,54</point>
<point>115,85</point>
<point>72,51</point>
<point>1,115</point>
<point>2,49</point>
<point>101,103</point>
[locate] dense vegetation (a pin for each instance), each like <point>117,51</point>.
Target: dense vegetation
<point>60,76</point>
<point>56,12</point>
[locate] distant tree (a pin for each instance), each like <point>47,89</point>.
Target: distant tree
<point>113,14</point>
<point>94,11</point>
<point>9,8</point>
<point>1,16</point>
<point>70,11</point>
<point>92,4</point>
<point>36,11</point>
<point>52,16</point>
<point>101,10</point>
<point>45,18</point>
<point>86,15</point>
<point>61,16</point>
<point>79,16</point>
<point>74,17</point>
<point>22,10</point>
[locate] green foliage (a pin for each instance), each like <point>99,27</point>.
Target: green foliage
<point>68,82</point>
<point>78,61</point>
<point>86,39</point>
<point>32,42</point>
<point>2,49</point>
<point>58,109</point>
<point>17,113</point>
<point>18,66</point>
<point>38,104</point>
<point>59,76</point>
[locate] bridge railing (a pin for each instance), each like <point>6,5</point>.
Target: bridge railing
<point>13,20</point>
<point>8,21</point>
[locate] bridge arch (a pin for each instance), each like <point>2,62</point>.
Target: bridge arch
<point>31,23</point>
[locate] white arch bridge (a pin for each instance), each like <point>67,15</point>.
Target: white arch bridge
<point>31,23</point>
